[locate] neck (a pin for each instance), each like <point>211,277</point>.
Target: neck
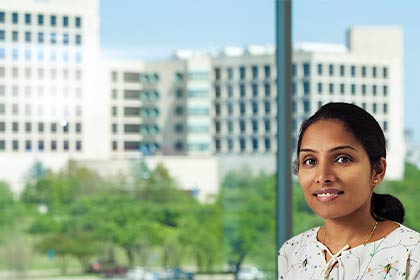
<point>353,231</point>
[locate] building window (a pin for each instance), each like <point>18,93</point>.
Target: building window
<point>320,88</point>
<point>353,89</point>
<point>179,110</point>
<point>374,72</point>
<point>78,145</point>
<point>53,20</point>
<point>114,128</point>
<point>15,36</point>
<point>319,69</point>
<point>15,145</point>
<point>65,21</point>
<point>255,90</point>
<point>15,18</point>
<point>242,144</point>
<point>229,108</point>
<point>331,88</point>
<point>2,17</point>
<point>2,145</point>
<point>267,71</point>
<point>267,107</point>
<point>229,73</point>
<point>242,92</point>
<point>2,109</point>
<point>78,39</point>
<point>254,125</point>
<point>353,71</point>
<point>242,73</point>
<point>242,108</point>
<point>2,126</point>
<point>374,90</point>
<point>53,128</point>
<point>294,70</point>
<point>40,145</point>
<point>28,145</point>
<point>385,108</point>
<point>306,69</point>
<point>364,89</point>
<point>2,36</point>
<point>28,19</point>
<point>65,39</point>
<point>15,127</point>
<point>78,128</point>
<point>342,70</point>
<point>217,126</point>
<point>242,126</point>
<point>40,19</point>
<point>255,107</point>
<point>28,37</point>
<point>363,71</point>
<point>385,126</point>
<point>254,72</point>
<point>342,89</point>
<point>385,72</point>
<point>255,144</point>
<point>217,91</point>
<point>40,127</point>
<point>65,145</point>
<point>306,88</point>
<point>28,127</point>
<point>385,90</point>
<point>230,144</point>
<point>267,125</point>
<point>40,37</point>
<point>331,69</point>
<point>374,108</point>
<point>267,89</point>
<point>229,90</point>
<point>267,144</point>
<point>53,145</point>
<point>78,22</point>
<point>217,109</point>
<point>306,106</point>
<point>217,75</point>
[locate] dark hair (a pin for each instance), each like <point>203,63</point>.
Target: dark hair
<point>368,132</point>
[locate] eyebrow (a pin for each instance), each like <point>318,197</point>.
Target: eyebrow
<point>330,150</point>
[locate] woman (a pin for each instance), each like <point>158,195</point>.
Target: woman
<point>341,158</point>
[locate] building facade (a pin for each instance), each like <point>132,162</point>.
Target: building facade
<point>49,55</point>
<point>227,103</point>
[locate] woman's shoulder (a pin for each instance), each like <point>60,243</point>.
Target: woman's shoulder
<point>300,239</point>
<point>405,236</point>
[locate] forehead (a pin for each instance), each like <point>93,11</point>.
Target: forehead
<point>328,133</point>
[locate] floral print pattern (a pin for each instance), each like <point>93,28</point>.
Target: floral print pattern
<point>395,256</point>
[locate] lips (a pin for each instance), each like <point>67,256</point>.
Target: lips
<point>327,195</point>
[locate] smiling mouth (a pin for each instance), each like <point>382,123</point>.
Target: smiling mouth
<point>327,195</point>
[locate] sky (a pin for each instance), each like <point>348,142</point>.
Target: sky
<point>154,29</point>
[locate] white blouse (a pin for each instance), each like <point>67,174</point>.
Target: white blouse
<point>395,256</point>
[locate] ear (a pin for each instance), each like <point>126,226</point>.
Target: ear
<point>378,172</point>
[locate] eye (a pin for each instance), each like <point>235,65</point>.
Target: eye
<point>343,159</point>
<point>309,162</point>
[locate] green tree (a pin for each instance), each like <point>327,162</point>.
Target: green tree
<point>247,203</point>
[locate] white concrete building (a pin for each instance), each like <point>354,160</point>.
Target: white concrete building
<point>51,103</point>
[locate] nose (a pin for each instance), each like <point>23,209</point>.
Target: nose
<point>324,174</point>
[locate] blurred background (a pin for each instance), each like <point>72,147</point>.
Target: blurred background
<point>138,139</point>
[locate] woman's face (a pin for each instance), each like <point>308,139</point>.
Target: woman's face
<point>334,171</point>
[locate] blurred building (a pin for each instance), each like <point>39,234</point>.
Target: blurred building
<point>224,104</point>
<point>49,59</point>
<point>216,109</point>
